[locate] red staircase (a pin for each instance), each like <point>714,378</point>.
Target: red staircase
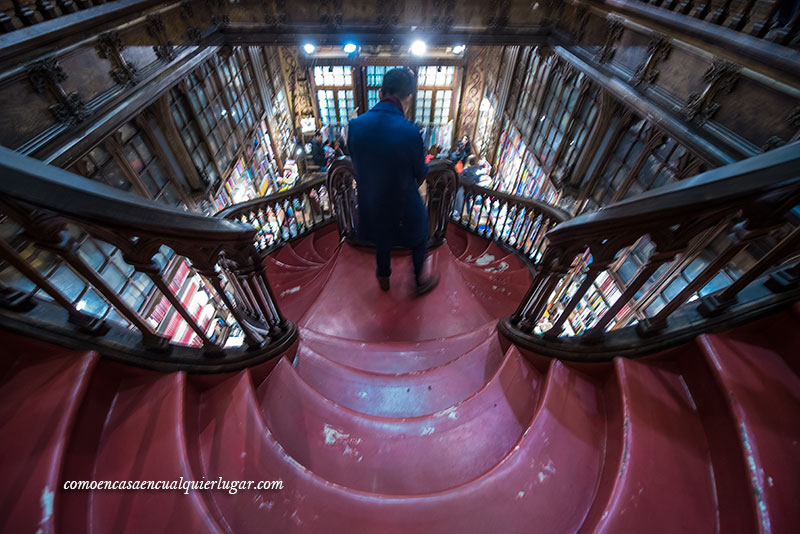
<point>395,414</point>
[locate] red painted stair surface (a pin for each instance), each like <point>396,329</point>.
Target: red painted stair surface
<point>396,414</point>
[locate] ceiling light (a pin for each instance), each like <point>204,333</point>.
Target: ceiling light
<point>459,49</point>
<point>309,48</point>
<point>349,48</point>
<point>418,48</point>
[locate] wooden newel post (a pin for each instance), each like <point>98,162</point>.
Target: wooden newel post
<point>441,183</point>
<point>341,179</point>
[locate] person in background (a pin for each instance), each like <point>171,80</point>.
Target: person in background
<point>341,147</point>
<point>471,172</point>
<point>318,152</point>
<point>464,150</point>
<point>471,176</point>
<point>389,161</point>
<point>330,152</point>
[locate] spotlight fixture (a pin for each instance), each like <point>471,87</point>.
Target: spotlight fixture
<point>309,48</point>
<point>349,48</point>
<point>459,49</point>
<point>418,48</point>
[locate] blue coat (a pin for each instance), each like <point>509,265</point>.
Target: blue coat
<point>389,160</point>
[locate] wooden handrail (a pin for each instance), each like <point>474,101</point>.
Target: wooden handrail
<point>750,201</point>
<point>286,215</point>
<point>231,212</point>
<point>723,31</point>
<point>58,191</point>
<point>717,188</point>
<point>49,209</point>
<point>554,212</point>
<point>517,223</point>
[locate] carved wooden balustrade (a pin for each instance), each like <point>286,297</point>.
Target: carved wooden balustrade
<point>50,217</point>
<point>754,201</point>
<point>440,187</point>
<point>286,215</point>
<point>16,14</point>
<point>516,222</point>
<point>774,20</point>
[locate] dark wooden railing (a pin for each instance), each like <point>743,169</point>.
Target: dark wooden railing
<point>516,222</point>
<point>440,188</point>
<point>49,212</point>
<point>285,216</point>
<point>16,14</point>
<point>749,200</point>
<point>775,20</point>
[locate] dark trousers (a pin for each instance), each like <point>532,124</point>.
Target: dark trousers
<point>383,255</point>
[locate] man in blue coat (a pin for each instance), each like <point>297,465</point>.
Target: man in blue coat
<point>389,161</point>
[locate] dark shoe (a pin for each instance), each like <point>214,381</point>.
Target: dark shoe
<point>427,285</point>
<point>383,281</point>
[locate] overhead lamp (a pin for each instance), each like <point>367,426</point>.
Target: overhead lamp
<point>418,48</point>
<point>349,48</point>
<point>309,48</point>
<point>459,49</point>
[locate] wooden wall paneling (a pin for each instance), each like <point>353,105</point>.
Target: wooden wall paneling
<point>607,108</point>
<point>569,130</point>
<point>160,111</point>
<point>113,144</point>
<point>184,90</point>
<point>265,92</point>
<point>68,146</point>
<point>653,139</point>
<point>502,86</point>
<point>141,121</point>
<point>709,147</point>
<point>473,91</point>
<point>757,112</point>
<point>626,118</point>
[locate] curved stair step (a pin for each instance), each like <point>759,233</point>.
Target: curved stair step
<point>297,297</point>
<point>276,266</point>
<point>41,394</point>
<point>456,239</point>
<point>288,255</point>
<point>763,395</point>
<point>737,514</point>
<point>304,248</point>
<point>491,255</point>
<point>394,315</point>
<point>326,241</point>
<point>284,280</point>
<point>476,245</point>
<point>144,439</point>
<point>664,458</point>
<point>520,276</point>
<point>379,454</point>
<point>396,357</point>
<point>401,395</point>
<point>546,481</point>
<point>498,298</point>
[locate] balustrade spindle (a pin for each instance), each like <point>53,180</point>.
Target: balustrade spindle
<point>761,28</point>
<point>591,275</point>
<point>252,338</point>
<point>137,230</point>
<point>721,13</point>
<point>741,18</point>
<point>701,10</point>
<point>86,323</point>
<point>715,304</point>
